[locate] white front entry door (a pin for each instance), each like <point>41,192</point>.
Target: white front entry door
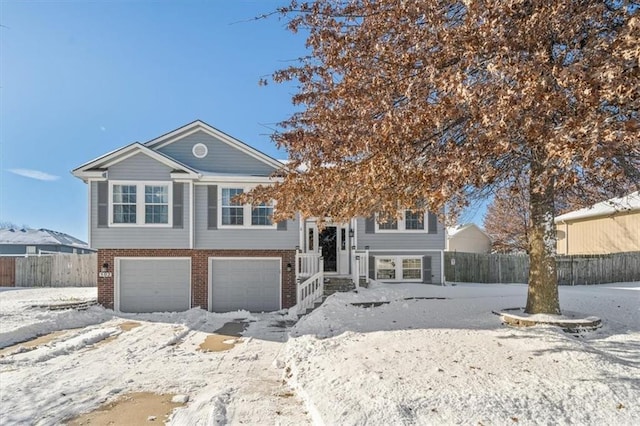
<point>332,242</point>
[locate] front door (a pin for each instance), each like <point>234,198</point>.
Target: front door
<point>328,241</point>
<point>334,243</point>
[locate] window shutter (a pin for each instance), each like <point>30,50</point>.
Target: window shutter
<point>426,270</point>
<point>282,225</point>
<point>212,207</point>
<point>370,225</point>
<point>178,204</point>
<point>103,204</point>
<point>433,223</point>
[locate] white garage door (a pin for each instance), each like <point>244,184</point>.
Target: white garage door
<point>154,285</point>
<point>248,283</point>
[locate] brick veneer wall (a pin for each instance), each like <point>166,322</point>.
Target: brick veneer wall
<point>199,270</point>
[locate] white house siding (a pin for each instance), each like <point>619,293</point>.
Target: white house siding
<point>469,240</point>
<point>234,238</point>
<point>221,157</point>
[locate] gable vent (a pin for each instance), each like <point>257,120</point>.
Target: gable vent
<point>200,150</point>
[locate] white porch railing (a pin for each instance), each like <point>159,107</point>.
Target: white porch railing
<point>307,264</point>
<point>359,266</point>
<point>311,290</point>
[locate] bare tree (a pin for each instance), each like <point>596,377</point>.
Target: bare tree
<point>507,220</point>
<point>415,104</point>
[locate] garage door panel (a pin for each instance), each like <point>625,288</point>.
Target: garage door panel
<point>251,284</point>
<point>154,285</point>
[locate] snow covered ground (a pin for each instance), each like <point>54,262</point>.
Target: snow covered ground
<point>424,355</point>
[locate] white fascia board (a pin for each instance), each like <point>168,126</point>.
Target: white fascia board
<point>128,151</point>
<point>91,175</point>
<point>183,177</point>
<point>141,149</point>
<point>198,125</point>
<point>629,203</point>
<point>247,179</point>
<point>92,163</point>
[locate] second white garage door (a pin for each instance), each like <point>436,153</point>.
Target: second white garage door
<point>244,283</point>
<point>153,285</point>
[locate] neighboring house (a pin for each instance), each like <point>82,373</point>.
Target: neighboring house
<point>468,238</point>
<point>169,236</point>
<point>21,242</point>
<point>610,226</point>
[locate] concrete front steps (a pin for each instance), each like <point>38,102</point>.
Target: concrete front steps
<point>337,284</point>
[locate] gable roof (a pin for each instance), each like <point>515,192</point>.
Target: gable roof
<point>454,230</point>
<point>90,168</point>
<point>39,237</point>
<point>627,203</point>
<point>199,125</point>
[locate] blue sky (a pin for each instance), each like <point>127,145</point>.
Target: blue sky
<point>79,79</point>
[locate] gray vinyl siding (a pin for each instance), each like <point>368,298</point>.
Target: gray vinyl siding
<point>400,240</point>
<point>245,238</point>
<point>138,236</point>
<point>436,265</point>
<point>221,157</point>
<point>140,167</point>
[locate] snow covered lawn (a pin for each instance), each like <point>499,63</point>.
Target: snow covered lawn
<point>423,355</point>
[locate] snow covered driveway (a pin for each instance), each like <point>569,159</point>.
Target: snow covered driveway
<point>87,366</point>
<point>420,354</point>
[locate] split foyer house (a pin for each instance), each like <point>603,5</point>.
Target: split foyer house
<point>170,235</point>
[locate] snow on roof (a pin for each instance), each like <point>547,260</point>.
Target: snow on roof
<point>629,202</point>
<point>39,237</point>
<point>453,230</point>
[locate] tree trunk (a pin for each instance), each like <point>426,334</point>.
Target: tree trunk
<point>542,297</point>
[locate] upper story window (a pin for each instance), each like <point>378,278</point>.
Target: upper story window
<point>140,203</point>
<point>234,214</point>
<point>156,204</point>
<point>409,222</point>
<point>261,214</point>
<point>124,203</point>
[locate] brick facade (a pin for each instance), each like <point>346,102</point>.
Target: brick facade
<point>199,270</point>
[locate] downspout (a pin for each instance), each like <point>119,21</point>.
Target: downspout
<point>191,216</point>
<point>442,268</point>
<point>566,237</point>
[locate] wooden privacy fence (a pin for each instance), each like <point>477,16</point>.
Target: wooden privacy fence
<point>514,268</point>
<point>485,268</point>
<point>7,271</point>
<point>57,270</point>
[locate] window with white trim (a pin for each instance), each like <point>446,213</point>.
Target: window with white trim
<point>140,203</point>
<point>232,211</point>
<point>408,222</point>
<point>398,268</point>
<point>261,214</point>
<point>124,203</point>
<point>156,204</point>
<point>237,215</point>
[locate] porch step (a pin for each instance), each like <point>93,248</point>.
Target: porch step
<point>315,306</point>
<point>335,285</point>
